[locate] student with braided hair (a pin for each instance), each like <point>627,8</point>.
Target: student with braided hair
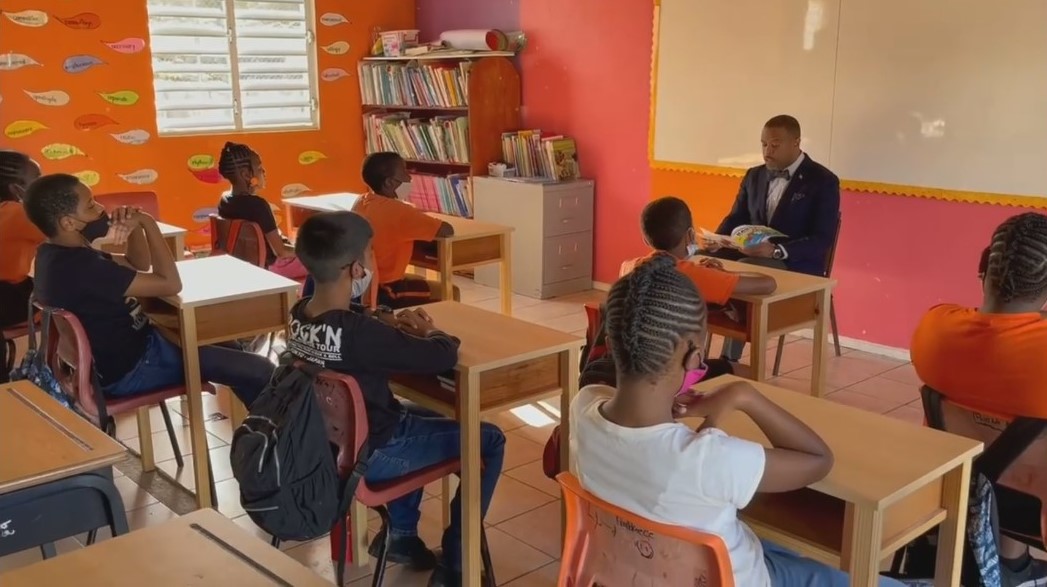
<point>19,238</point>
<point>628,449</point>
<point>991,358</point>
<point>242,168</point>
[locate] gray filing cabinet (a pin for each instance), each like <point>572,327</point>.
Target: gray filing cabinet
<point>552,250</point>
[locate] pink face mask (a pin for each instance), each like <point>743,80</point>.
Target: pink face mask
<point>691,377</point>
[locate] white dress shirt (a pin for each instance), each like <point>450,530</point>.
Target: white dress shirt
<point>778,185</point>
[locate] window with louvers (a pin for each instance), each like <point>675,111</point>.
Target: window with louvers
<point>233,65</point>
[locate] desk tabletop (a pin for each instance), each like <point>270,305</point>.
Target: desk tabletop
<point>43,441</point>
<point>338,202</point>
<point>465,228</point>
<point>790,283</point>
<point>224,278</point>
<point>491,340</point>
<point>170,229</point>
<point>202,548</point>
<point>878,460</point>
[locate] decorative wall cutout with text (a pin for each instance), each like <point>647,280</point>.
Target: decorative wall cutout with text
<point>84,21</point>
<point>140,177</point>
<point>59,151</point>
<point>132,137</point>
<point>80,63</point>
<point>13,61</point>
<point>29,18</point>
<point>89,177</point>
<point>337,48</point>
<point>22,128</point>
<point>127,46</point>
<point>294,189</point>
<point>92,121</point>
<point>121,98</point>
<point>333,73</point>
<point>310,157</point>
<point>333,19</point>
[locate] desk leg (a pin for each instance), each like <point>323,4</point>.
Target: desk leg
<point>469,412</point>
<point>820,341</point>
<point>862,538</point>
<point>951,533</point>
<point>758,345</point>
<point>358,534</point>
<point>289,220</point>
<point>443,259</point>
<point>177,245</point>
<point>145,439</point>
<point>569,388</point>
<point>195,414</point>
<point>505,274</point>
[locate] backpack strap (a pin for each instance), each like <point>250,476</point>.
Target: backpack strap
<point>348,493</point>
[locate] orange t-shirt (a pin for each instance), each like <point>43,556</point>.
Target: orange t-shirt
<point>715,285</point>
<point>396,227</point>
<point>987,362</point>
<point>19,239</point>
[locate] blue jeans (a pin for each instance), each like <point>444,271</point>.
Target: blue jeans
<point>423,439</point>
<point>788,569</point>
<point>162,366</point>
<point>732,347</point>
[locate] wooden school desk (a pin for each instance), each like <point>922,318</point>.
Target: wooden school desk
<point>300,208</point>
<point>173,235</point>
<point>503,363</point>
<point>202,548</point>
<point>222,299</point>
<point>891,482</point>
<point>44,443</point>
<point>800,301</point>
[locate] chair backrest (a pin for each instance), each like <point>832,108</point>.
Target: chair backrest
<point>71,361</point>
<point>240,238</point>
<point>606,545</point>
<point>147,201</point>
<point>342,403</point>
<point>830,258</point>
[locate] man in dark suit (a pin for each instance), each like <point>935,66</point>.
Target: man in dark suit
<point>792,194</point>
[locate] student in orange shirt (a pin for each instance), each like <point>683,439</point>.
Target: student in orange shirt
<point>398,227</point>
<point>991,358</point>
<point>19,238</point>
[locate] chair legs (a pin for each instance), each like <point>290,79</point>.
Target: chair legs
<point>171,434</point>
<point>778,356</point>
<point>383,548</point>
<point>836,339</point>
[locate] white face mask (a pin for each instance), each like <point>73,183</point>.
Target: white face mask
<point>692,250</point>
<point>403,191</point>
<point>360,285</point>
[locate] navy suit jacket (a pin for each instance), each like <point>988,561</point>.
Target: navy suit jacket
<point>808,213</point>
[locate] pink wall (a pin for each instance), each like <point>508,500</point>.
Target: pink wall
<point>436,16</point>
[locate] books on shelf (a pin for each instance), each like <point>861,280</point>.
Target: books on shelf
<point>434,85</point>
<point>554,157</point>
<point>440,139</point>
<point>446,194</point>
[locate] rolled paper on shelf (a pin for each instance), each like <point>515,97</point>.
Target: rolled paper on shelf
<point>476,40</point>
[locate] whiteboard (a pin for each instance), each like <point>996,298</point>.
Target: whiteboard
<point>948,94</point>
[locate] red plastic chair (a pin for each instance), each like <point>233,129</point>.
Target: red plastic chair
<point>342,404</point>
<point>147,201</point>
<point>239,238</point>
<point>69,356</point>
<point>10,335</point>
<point>606,545</point>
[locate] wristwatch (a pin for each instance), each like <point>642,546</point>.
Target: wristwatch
<point>378,311</point>
<point>779,253</point>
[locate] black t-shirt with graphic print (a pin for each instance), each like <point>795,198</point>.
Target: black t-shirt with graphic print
<point>371,352</point>
<point>91,285</point>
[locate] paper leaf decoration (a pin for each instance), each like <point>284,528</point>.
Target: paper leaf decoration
<point>50,98</point>
<point>310,157</point>
<point>13,61</point>
<point>201,162</point>
<point>140,177</point>
<point>121,98</point>
<point>202,214</point>
<point>337,48</point>
<point>92,121</point>
<point>88,177</point>
<point>294,189</point>
<point>132,137</point>
<point>84,21</point>
<point>207,175</point>
<point>80,63</point>
<point>30,18</point>
<point>127,46</point>
<point>57,151</point>
<point>22,128</point>
<point>333,19</point>
<point>333,73</point>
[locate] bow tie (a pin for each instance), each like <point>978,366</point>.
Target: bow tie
<point>783,174</point>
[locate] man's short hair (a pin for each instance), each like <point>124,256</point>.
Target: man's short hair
<point>48,199</point>
<point>379,167</point>
<point>665,222</point>
<point>786,123</point>
<point>328,243</point>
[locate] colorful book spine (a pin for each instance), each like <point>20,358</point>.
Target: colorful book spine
<point>446,194</point>
<point>441,139</point>
<point>420,85</point>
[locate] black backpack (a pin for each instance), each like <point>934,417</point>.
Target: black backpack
<point>284,463</point>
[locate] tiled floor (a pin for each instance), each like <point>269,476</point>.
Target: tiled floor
<point>523,522</point>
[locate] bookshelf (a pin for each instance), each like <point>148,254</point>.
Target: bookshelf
<point>445,114</point>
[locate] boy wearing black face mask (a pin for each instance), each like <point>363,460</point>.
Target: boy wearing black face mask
<point>130,356</point>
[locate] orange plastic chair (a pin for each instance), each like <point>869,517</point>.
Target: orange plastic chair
<point>239,238</point>
<point>607,546</point>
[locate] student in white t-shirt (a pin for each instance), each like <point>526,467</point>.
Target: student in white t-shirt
<point>628,449</point>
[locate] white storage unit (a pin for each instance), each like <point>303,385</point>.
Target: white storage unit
<point>552,251</point>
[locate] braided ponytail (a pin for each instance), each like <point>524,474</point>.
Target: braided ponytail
<point>234,158</point>
<point>1017,261</point>
<point>648,312</point>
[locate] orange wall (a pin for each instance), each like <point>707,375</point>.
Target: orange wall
<point>32,126</point>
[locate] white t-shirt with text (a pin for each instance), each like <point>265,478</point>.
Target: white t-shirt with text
<point>673,475</point>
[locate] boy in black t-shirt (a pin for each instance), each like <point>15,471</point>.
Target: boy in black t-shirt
<point>130,356</point>
<point>325,330</point>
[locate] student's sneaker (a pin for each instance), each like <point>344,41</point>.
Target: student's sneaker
<point>1033,575</point>
<point>409,551</point>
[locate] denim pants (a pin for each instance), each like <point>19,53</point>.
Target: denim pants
<point>423,439</point>
<point>788,569</point>
<point>732,348</point>
<point>162,366</point>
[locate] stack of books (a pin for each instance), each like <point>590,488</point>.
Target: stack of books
<point>427,85</point>
<point>554,158</point>
<point>441,139</point>
<point>448,194</point>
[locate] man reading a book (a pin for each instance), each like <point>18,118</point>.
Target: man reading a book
<point>792,194</point>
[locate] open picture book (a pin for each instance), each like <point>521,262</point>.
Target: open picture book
<point>744,236</point>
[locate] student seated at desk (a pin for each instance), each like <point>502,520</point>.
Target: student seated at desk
<point>991,358</point>
<point>243,169</point>
<point>326,331</point>
<point>19,239</point>
<point>397,226</point>
<point>627,448</point>
<point>130,355</point>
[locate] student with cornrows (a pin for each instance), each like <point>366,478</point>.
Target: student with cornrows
<point>991,359</point>
<point>19,239</point>
<point>242,168</point>
<point>628,449</point>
